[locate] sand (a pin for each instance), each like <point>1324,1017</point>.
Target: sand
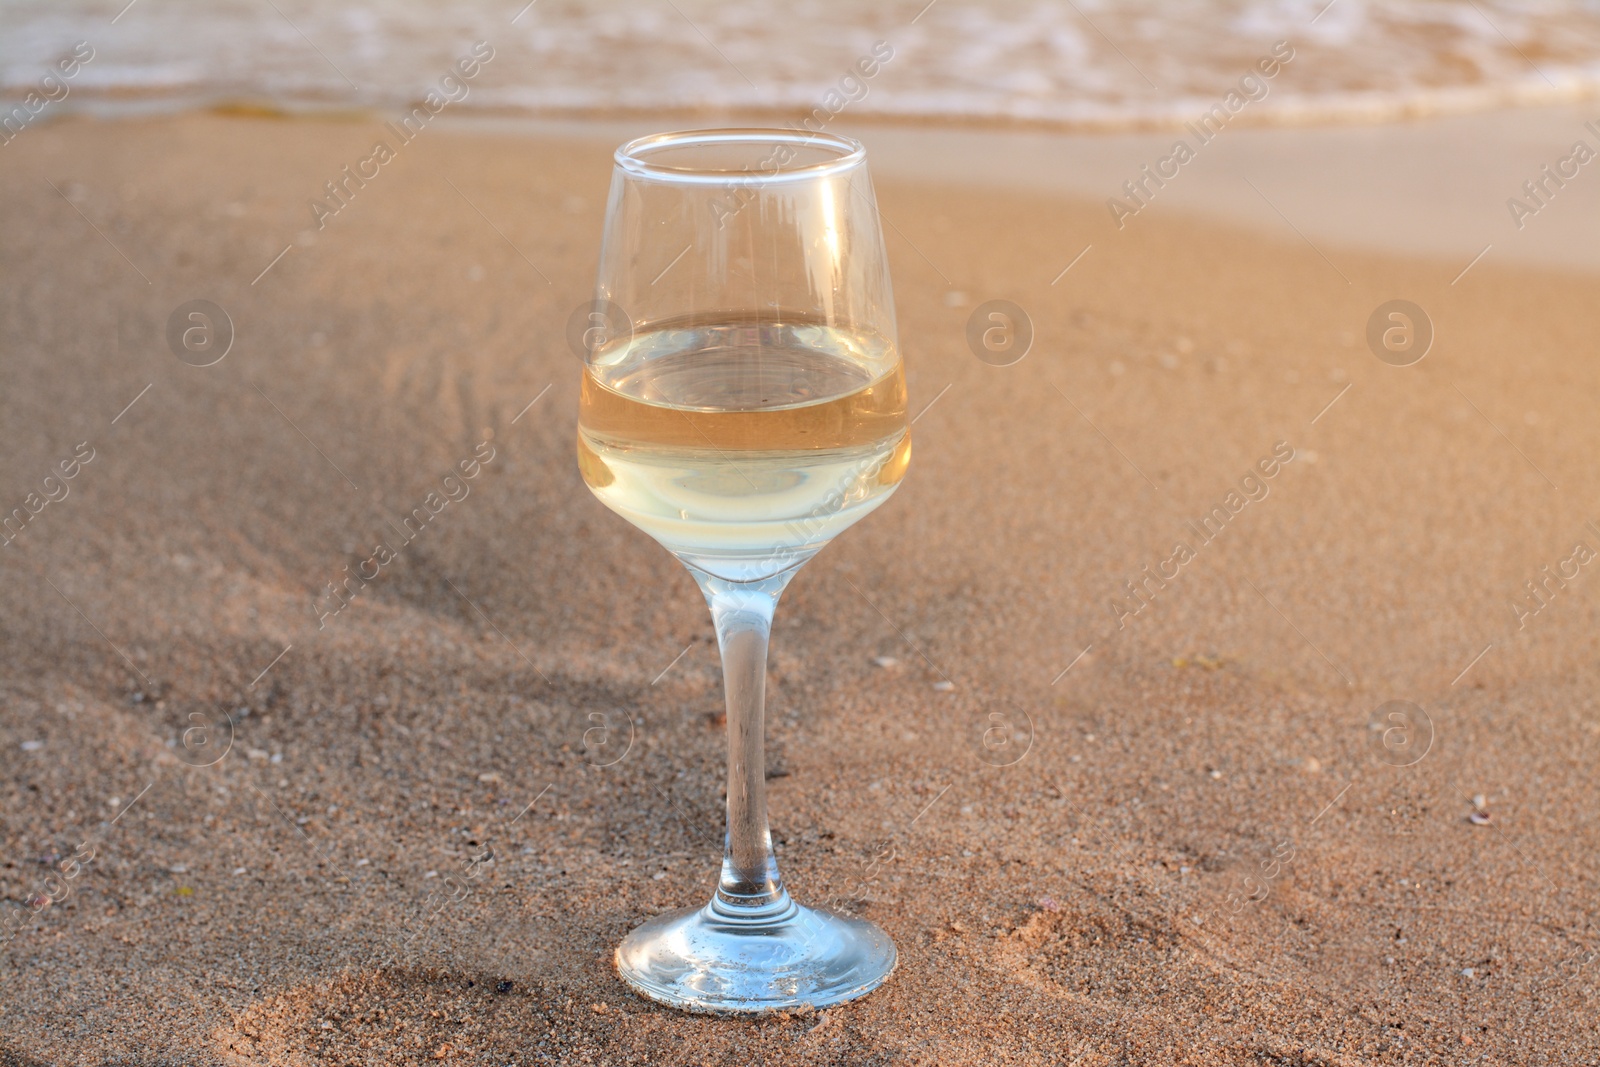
<point>437,809</point>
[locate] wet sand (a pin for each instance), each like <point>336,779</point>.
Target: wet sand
<point>1206,839</point>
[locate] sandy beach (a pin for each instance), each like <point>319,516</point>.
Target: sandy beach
<point>1322,793</point>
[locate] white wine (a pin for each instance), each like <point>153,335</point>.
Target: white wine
<point>744,446</point>
<point>743,434</point>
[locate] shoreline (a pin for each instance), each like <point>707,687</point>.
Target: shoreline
<point>1390,198</point>
<point>1355,109</point>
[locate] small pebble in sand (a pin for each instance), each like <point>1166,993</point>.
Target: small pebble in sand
<point>431,874</point>
<point>1480,818</point>
<point>943,687</point>
<point>362,862</point>
<point>238,871</point>
<point>503,986</point>
<point>1468,972</point>
<point>178,868</point>
<point>886,661</point>
<point>256,753</point>
<point>32,746</point>
<point>1479,801</point>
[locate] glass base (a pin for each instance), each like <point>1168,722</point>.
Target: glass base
<point>726,960</point>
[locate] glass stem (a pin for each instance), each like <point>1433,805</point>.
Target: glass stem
<point>742,613</point>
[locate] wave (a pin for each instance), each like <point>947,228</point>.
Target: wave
<point>1101,65</point>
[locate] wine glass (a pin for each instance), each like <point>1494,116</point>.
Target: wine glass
<point>743,403</point>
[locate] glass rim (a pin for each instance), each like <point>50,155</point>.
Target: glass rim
<point>633,157</point>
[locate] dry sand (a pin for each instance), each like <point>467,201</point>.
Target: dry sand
<point>1199,851</point>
